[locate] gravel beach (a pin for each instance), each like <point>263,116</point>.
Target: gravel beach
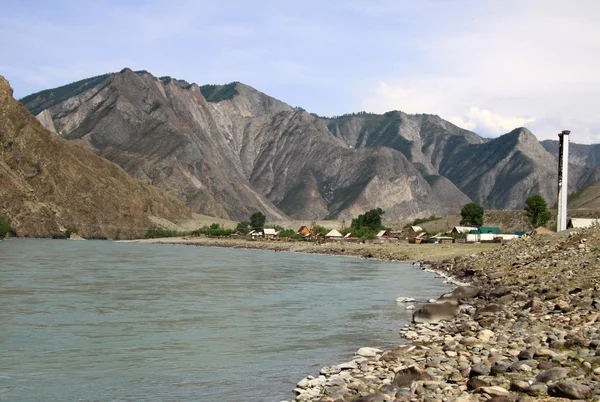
<point>526,328</point>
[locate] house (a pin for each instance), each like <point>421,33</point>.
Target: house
<point>271,233</point>
<point>255,234</point>
<point>334,234</point>
<point>349,236</point>
<point>418,239</point>
<point>505,237</point>
<point>580,223</point>
<point>383,233</point>
<point>303,231</point>
<point>416,229</point>
<point>443,239</point>
<point>489,229</point>
<point>462,229</point>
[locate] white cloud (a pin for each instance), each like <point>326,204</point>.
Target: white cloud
<point>500,66</point>
<point>409,99</point>
<point>488,122</point>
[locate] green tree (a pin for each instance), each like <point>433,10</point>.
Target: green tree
<point>370,219</point>
<point>243,227</point>
<point>472,214</point>
<point>5,228</point>
<point>257,220</point>
<point>536,209</point>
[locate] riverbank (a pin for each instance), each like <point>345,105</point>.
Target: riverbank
<point>526,329</point>
<point>387,251</point>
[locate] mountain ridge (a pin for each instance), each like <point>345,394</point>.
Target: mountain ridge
<point>48,183</point>
<point>243,151</point>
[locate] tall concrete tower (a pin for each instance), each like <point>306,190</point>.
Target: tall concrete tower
<point>563,177</point>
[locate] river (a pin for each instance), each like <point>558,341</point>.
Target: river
<point>104,321</point>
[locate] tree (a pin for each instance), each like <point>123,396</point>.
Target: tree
<point>472,214</point>
<point>370,219</point>
<point>536,209</point>
<point>257,220</point>
<point>243,227</point>
<point>5,228</point>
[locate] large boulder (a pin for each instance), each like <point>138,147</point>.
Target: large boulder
<point>404,378</point>
<point>567,389</point>
<point>465,292</point>
<point>434,312</point>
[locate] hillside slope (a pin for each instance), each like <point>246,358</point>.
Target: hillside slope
<point>48,183</point>
<point>239,152</point>
<point>230,150</point>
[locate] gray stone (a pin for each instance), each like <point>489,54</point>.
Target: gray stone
<point>465,292</point>
<point>479,369</point>
<point>499,367</point>
<point>567,389</point>
<point>492,391</point>
<point>499,291</point>
<point>376,397</point>
<point>404,378</point>
<point>434,312</point>
<point>536,389</point>
<point>553,374</point>
<point>526,354</point>
<point>475,383</point>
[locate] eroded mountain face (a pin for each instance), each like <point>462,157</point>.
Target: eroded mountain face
<point>230,150</point>
<point>48,184</point>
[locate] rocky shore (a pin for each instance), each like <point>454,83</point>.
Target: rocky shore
<point>526,328</point>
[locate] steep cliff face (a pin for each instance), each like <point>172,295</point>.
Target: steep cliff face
<point>230,150</point>
<point>239,151</point>
<point>502,173</point>
<point>585,155</point>
<point>48,183</point>
<point>499,173</point>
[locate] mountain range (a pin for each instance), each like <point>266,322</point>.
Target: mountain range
<point>230,150</point>
<point>49,184</point>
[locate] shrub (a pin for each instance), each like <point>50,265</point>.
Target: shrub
<point>70,229</point>
<point>154,233</point>
<point>213,230</point>
<point>5,228</point>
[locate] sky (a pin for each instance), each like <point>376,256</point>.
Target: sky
<point>487,66</point>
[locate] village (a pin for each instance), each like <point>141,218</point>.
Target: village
<point>414,234</point>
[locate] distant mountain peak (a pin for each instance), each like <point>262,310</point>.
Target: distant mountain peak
<point>229,150</point>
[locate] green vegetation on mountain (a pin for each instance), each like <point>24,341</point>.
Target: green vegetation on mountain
<point>50,97</point>
<point>217,93</point>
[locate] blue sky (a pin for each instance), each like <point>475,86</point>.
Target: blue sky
<point>488,66</point>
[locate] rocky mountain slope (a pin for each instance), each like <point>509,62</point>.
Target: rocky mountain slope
<point>230,150</point>
<point>48,183</point>
<point>240,152</point>
<point>499,173</point>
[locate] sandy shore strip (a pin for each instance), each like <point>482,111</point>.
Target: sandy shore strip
<point>388,251</point>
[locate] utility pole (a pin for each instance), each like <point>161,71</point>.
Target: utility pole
<point>563,176</point>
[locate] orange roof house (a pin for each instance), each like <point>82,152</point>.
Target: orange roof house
<point>303,230</point>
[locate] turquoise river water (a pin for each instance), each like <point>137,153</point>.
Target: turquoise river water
<point>106,321</point>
